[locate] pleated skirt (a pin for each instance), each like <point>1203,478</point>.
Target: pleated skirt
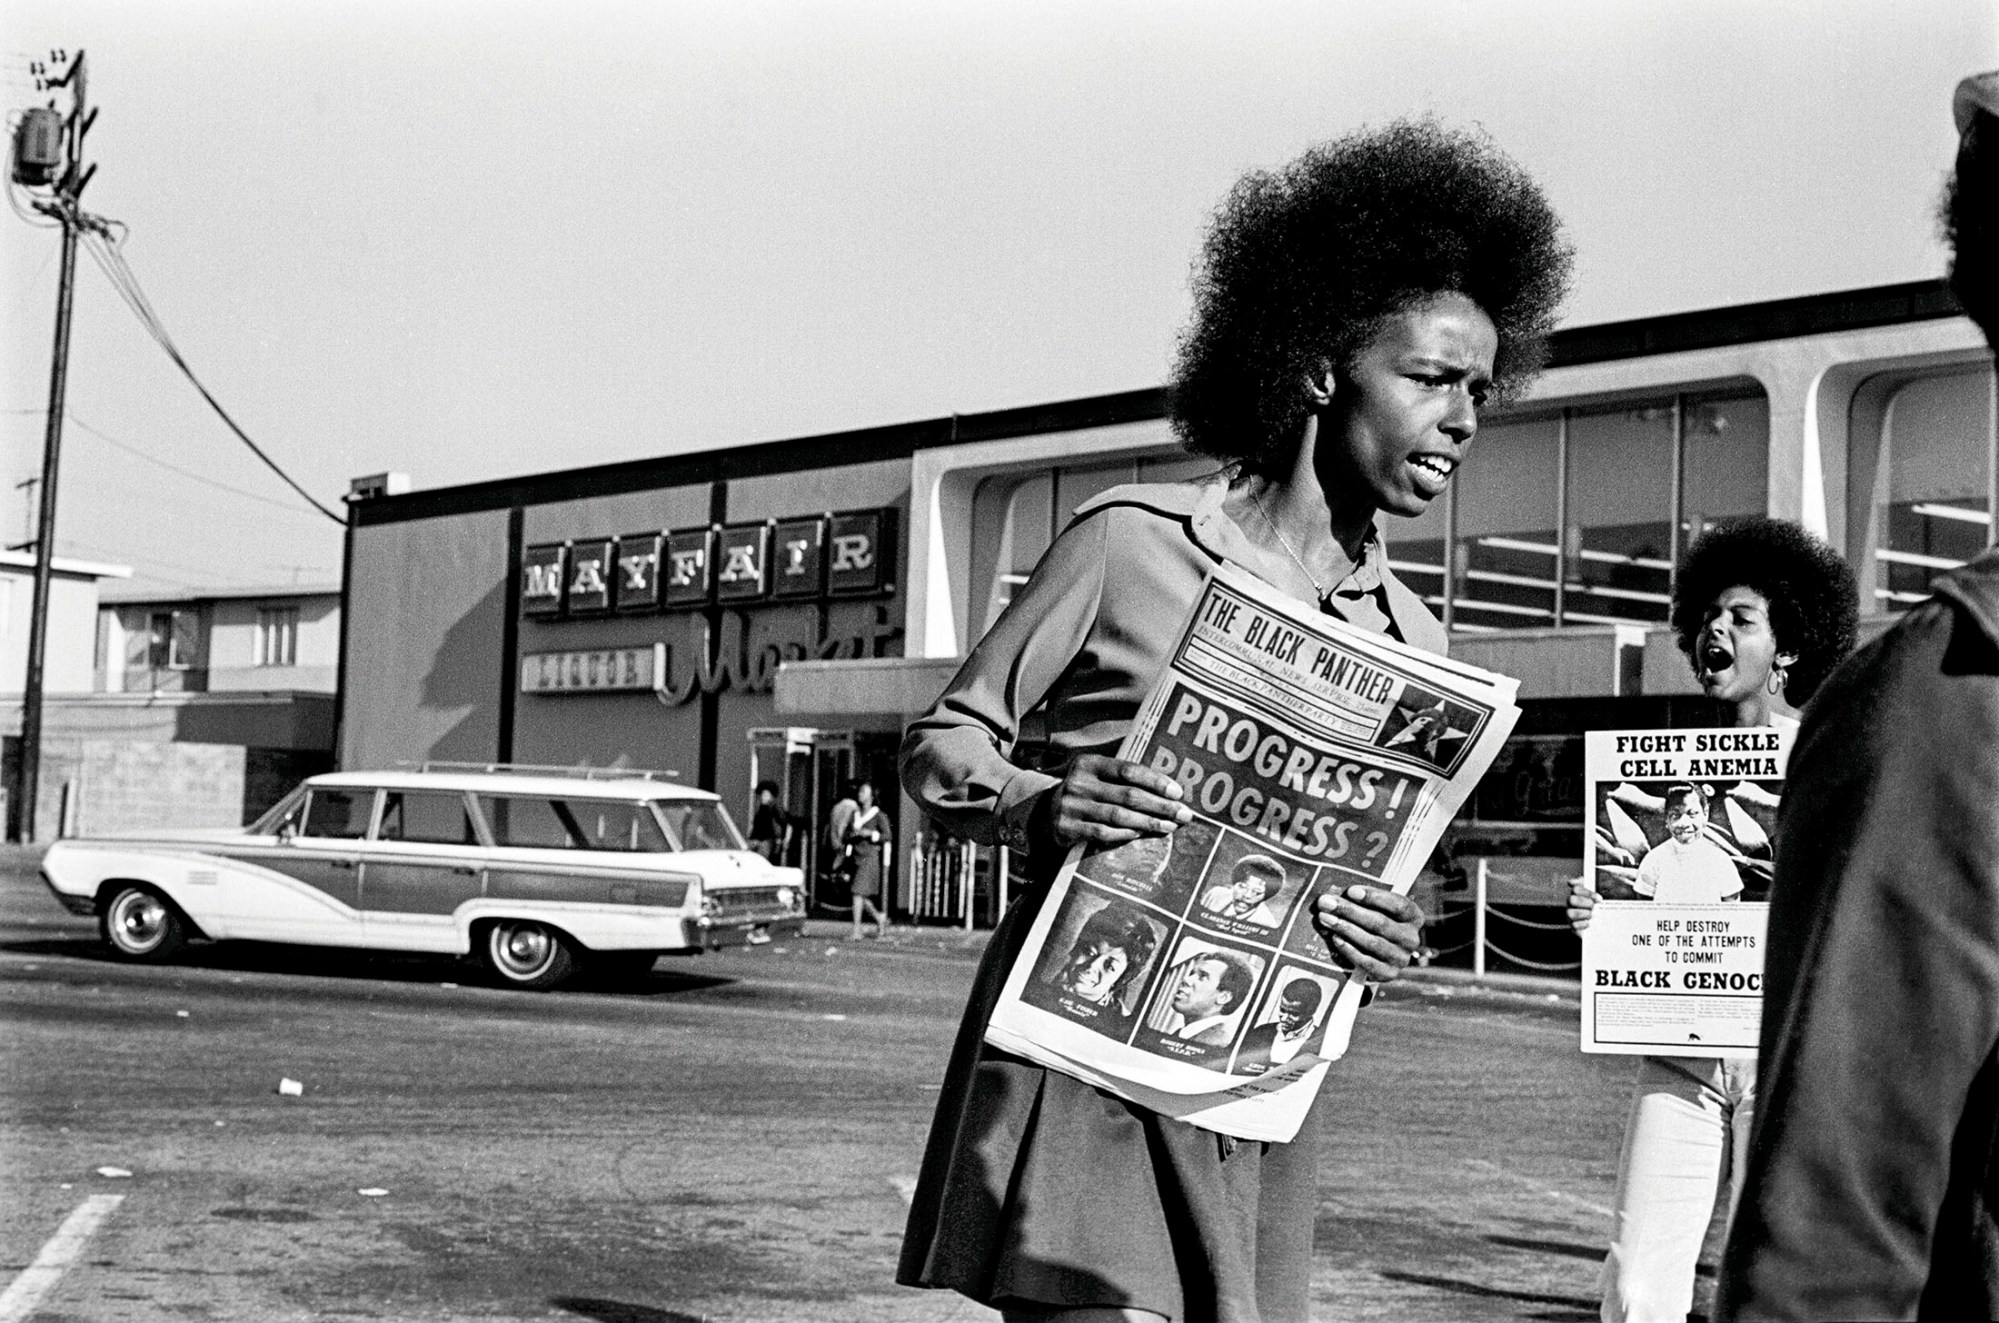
<point>1040,1190</point>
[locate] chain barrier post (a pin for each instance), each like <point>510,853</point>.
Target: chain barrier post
<point>969,885</point>
<point>1002,882</point>
<point>1478,927</point>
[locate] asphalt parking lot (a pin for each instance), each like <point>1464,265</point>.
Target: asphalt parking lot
<point>732,1139</point>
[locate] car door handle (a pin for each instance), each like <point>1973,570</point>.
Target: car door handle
<point>468,872</point>
<point>343,863</point>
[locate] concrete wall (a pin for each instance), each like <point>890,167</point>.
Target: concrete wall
<point>131,785</point>
<point>424,668</point>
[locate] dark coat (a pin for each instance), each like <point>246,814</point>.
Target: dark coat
<point>1871,1191</point>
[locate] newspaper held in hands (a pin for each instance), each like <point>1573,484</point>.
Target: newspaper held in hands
<point>1184,972</point>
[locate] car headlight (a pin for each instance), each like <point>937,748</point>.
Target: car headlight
<point>786,897</point>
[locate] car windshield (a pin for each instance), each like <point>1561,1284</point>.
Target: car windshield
<point>699,824</point>
<point>541,823</point>
<point>285,812</point>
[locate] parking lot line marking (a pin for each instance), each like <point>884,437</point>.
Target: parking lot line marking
<point>1527,1181</point>
<point>26,1292</point>
<point>904,1186</point>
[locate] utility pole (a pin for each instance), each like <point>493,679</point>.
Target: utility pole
<point>48,153</point>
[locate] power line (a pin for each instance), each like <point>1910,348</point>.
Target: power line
<point>111,261</point>
<point>206,577</point>
<point>185,473</point>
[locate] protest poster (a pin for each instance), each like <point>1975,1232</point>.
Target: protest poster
<point>1677,830</point>
<point>1184,972</point>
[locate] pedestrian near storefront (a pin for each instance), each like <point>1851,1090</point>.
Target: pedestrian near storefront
<point>1354,311</point>
<point>770,826</point>
<point>1763,610</point>
<point>843,811</point>
<point>1873,1182</point>
<point>870,846</point>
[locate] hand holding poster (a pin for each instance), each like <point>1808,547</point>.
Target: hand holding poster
<point>1184,972</point>
<point>1677,830</point>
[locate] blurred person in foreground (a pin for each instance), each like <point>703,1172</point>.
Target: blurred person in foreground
<point>1872,1190</point>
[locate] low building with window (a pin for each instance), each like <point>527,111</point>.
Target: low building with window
<point>232,640</point>
<point>777,611</point>
<point>175,708</point>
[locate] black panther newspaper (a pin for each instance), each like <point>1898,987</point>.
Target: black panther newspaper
<point>1184,972</point>
<point>1677,835</point>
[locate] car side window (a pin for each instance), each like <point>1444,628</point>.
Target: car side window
<point>339,814</point>
<point>572,824</point>
<point>427,818</point>
<point>610,825</point>
<point>530,822</point>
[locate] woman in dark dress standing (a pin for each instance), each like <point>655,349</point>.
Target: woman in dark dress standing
<point>869,848</point>
<point>1353,313</point>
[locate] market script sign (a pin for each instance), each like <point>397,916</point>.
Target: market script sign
<point>713,578</point>
<point>814,558</point>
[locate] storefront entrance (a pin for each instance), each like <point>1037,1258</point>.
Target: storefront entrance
<point>811,767</point>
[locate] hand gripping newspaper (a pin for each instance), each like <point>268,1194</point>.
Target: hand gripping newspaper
<point>1184,972</point>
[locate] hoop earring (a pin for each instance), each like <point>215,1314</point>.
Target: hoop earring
<point>1778,679</point>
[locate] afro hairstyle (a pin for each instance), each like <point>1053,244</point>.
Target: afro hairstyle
<point>1302,266</point>
<point>1814,601</point>
<point>1970,218</point>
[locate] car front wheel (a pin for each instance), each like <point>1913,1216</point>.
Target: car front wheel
<point>138,924</point>
<point>532,956</point>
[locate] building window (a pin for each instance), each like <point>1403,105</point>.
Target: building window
<point>1933,482</point>
<point>1578,517</point>
<point>277,636</point>
<point>172,640</point>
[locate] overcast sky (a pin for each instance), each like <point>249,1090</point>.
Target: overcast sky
<point>470,240</point>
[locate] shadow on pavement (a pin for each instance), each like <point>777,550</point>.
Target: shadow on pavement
<point>617,1311</point>
<point>1585,1308</point>
<point>346,963</point>
<point>1593,1253</point>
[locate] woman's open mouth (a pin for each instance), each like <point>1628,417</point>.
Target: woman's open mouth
<point>1713,659</point>
<point>1433,472</point>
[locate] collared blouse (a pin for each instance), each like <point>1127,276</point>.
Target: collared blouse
<point>1088,634</point>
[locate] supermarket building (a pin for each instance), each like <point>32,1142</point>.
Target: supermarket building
<point>778,610</point>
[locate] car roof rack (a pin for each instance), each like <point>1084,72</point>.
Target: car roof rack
<point>582,770</point>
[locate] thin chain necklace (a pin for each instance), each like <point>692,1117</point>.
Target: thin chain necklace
<point>1282,541</point>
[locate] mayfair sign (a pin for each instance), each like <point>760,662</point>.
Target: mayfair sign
<point>777,561</point>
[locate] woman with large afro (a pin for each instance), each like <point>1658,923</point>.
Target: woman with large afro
<point>1353,313</point>
<point>1763,611</point>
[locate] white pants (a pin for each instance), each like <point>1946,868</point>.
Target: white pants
<point>1689,1126</point>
